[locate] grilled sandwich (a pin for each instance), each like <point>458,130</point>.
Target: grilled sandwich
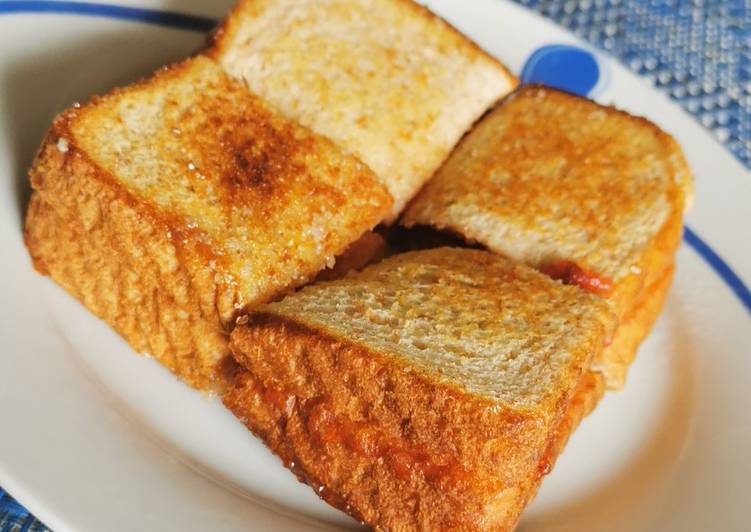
<point>431,391</point>
<point>588,194</point>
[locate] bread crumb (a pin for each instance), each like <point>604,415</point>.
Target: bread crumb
<point>62,145</point>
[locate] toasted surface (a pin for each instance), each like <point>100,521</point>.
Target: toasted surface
<point>388,80</point>
<point>202,181</point>
<point>408,409</point>
<point>548,176</point>
<point>274,199</point>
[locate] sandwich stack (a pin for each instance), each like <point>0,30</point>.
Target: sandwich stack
<point>433,389</point>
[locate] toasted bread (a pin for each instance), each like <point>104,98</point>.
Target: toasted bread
<point>591,195</point>
<point>172,205</point>
<point>634,326</point>
<point>388,80</point>
<point>584,399</point>
<point>427,391</point>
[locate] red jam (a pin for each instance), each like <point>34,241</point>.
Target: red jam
<point>571,273</point>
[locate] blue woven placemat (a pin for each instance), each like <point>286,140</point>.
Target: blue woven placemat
<point>698,52</point>
<point>15,518</point>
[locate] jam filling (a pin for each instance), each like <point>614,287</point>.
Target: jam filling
<point>571,273</point>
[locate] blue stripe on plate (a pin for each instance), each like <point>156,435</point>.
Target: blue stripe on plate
<point>196,23</point>
<point>720,267</point>
<point>171,19</point>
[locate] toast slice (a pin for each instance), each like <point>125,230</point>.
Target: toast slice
<point>172,205</point>
<point>427,392</point>
<point>589,194</point>
<point>388,80</point>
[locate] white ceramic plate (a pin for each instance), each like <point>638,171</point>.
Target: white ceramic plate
<point>94,437</point>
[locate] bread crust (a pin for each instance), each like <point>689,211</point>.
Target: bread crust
<point>365,486</point>
<point>615,359</point>
<point>489,453</point>
<point>126,262</point>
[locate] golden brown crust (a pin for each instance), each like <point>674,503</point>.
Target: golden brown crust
<point>473,458</point>
<point>127,273</point>
<point>129,262</point>
<point>589,392</point>
<point>283,424</point>
<point>437,427</point>
<point>615,359</point>
<point>169,255</point>
<point>656,259</point>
